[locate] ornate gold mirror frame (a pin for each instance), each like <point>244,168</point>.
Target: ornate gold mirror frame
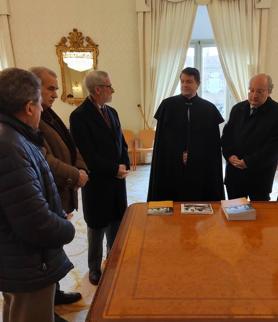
<point>77,55</point>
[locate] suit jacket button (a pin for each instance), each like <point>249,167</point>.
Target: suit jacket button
<point>69,181</point>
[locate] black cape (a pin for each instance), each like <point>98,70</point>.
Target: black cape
<point>201,178</point>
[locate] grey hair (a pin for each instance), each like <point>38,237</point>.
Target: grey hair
<point>93,79</point>
<point>17,88</point>
<point>40,70</point>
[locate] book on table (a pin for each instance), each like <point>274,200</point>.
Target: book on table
<point>160,207</point>
<point>238,209</point>
<point>196,209</point>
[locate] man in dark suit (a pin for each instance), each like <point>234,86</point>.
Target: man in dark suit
<point>250,143</point>
<point>66,164</point>
<point>97,132</point>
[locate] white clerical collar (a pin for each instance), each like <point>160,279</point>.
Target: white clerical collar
<point>190,97</point>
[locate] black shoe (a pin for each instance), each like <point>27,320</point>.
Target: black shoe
<point>62,297</point>
<point>58,318</point>
<point>94,277</point>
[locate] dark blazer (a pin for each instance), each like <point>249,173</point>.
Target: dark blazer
<point>255,139</point>
<point>103,149</point>
<point>63,158</point>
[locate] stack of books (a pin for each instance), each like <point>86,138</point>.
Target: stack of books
<point>160,207</point>
<point>238,209</point>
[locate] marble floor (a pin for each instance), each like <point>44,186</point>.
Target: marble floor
<point>77,279</point>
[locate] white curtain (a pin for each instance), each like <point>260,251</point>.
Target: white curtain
<point>164,35</point>
<point>237,30</point>
<point>6,51</point>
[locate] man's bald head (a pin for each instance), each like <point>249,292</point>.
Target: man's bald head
<point>260,87</point>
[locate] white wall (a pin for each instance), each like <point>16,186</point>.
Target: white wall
<point>37,26</point>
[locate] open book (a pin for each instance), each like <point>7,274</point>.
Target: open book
<point>238,209</point>
<point>196,209</point>
<point>160,207</point>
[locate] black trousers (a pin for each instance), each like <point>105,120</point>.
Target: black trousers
<point>238,191</point>
<point>95,244</point>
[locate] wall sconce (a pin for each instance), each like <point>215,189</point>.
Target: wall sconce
<point>77,90</point>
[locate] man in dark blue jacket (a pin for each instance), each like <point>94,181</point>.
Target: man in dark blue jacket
<point>33,228</point>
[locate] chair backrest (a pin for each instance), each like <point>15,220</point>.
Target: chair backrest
<point>146,138</point>
<point>129,138</point>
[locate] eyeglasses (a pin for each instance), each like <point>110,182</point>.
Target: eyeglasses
<point>103,85</point>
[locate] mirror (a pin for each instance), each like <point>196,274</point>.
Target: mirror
<point>77,55</point>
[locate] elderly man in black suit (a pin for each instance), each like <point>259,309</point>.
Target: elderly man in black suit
<point>97,132</point>
<point>250,143</point>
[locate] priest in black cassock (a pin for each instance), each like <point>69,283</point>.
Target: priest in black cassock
<point>186,163</point>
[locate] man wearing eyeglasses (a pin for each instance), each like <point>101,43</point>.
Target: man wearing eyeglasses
<point>250,143</point>
<point>96,129</point>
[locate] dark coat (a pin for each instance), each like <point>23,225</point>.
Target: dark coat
<point>63,158</point>
<point>201,178</point>
<point>33,229</point>
<point>254,139</point>
<point>103,149</point>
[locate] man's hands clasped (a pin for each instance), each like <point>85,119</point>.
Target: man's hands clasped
<point>236,162</point>
<point>83,178</point>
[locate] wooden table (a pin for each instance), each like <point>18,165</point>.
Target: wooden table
<point>191,268</point>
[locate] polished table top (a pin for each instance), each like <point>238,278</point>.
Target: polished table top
<point>191,268</point>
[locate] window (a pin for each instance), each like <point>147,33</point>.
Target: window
<point>214,87</point>
<point>204,56</point>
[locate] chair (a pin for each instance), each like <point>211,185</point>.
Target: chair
<point>130,140</point>
<point>146,140</point>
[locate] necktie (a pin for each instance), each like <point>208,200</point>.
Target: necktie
<point>105,115</point>
<point>253,110</point>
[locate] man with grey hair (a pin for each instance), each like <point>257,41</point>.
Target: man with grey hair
<point>250,143</point>
<point>33,226</point>
<point>97,132</point>
<point>65,161</point>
